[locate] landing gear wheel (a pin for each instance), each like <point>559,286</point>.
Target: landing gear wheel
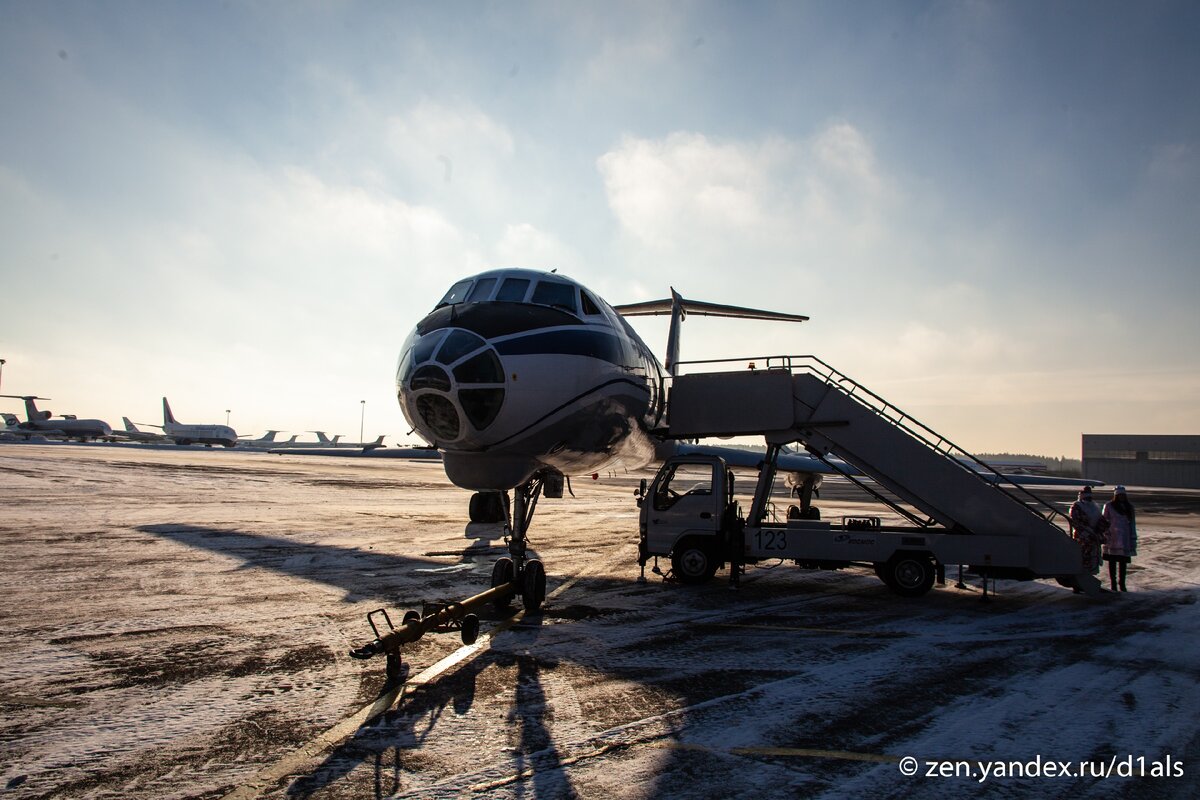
<point>909,574</point>
<point>411,616</point>
<point>470,629</point>
<point>533,590</point>
<point>502,573</point>
<point>692,561</point>
<point>487,507</point>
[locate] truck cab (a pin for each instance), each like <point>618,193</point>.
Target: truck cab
<point>690,513</point>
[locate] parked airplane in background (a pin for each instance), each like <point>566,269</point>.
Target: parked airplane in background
<point>68,426</point>
<point>267,440</point>
<point>325,441</point>
<point>134,434</point>
<point>12,430</point>
<point>183,433</point>
<point>522,377</point>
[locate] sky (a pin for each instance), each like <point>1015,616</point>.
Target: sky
<point>990,211</point>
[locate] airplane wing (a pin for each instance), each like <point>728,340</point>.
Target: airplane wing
<point>750,459</point>
<point>803,462</point>
<point>29,433</point>
<point>415,453</point>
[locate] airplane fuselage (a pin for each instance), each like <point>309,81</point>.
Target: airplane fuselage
<point>71,428</point>
<point>38,421</point>
<point>200,434</point>
<point>518,370</point>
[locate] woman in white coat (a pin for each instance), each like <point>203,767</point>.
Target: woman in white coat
<point>1120,540</point>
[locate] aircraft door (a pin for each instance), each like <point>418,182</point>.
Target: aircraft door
<point>687,498</point>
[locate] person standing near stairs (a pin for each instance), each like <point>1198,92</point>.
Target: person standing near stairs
<point>1087,528</point>
<point>1120,542</point>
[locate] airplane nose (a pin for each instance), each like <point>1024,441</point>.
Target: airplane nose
<point>450,383</point>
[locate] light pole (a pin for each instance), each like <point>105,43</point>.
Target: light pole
<point>361,418</point>
<point>2,363</point>
<point>227,418</point>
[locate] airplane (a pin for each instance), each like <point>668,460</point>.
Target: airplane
<point>266,440</point>
<point>325,441</point>
<point>520,378</point>
<point>134,434</point>
<point>183,433</point>
<point>68,426</point>
<point>12,430</point>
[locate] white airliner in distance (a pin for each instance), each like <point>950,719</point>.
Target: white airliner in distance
<point>182,433</point>
<point>324,441</point>
<point>68,426</point>
<point>267,440</point>
<point>521,377</point>
<point>133,433</point>
<point>12,431</point>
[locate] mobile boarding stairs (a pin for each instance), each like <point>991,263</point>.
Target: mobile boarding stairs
<point>974,515</point>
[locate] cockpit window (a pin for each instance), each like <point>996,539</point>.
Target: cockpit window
<point>457,293</point>
<point>589,305</point>
<point>425,346</point>
<point>457,345</point>
<point>558,295</point>
<point>482,291</point>
<point>513,290</point>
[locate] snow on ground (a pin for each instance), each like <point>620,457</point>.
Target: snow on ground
<point>176,623</point>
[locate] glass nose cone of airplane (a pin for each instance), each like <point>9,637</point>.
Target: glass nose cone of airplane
<point>450,384</point>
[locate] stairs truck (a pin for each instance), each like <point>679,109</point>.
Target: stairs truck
<point>957,510</point>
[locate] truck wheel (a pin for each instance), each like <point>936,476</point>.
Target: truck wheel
<point>909,574</point>
<point>692,561</point>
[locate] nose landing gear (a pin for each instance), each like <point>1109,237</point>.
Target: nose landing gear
<point>528,573</point>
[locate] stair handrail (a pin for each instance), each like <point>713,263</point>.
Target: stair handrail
<point>833,376</point>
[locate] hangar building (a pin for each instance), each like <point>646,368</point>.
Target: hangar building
<point>1142,460</point>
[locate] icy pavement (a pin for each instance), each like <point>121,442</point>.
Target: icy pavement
<point>176,625</point>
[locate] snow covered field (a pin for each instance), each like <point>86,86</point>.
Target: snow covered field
<point>175,624</point>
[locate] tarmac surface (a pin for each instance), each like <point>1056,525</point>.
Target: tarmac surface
<point>176,624</point>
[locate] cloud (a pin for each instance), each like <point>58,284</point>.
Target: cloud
<point>443,143</point>
<point>524,245</point>
<point>699,197</point>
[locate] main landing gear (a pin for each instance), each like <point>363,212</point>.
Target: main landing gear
<point>529,574</point>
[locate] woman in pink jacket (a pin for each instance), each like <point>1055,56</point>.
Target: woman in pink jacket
<point>1120,540</point>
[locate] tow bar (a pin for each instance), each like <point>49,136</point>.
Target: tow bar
<point>438,618</point>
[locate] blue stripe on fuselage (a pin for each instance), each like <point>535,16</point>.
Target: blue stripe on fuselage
<point>576,342</point>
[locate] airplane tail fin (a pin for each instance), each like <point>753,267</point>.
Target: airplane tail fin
<point>375,444</point>
<point>129,426</point>
<point>31,409</point>
<point>10,419</point>
<point>679,308</point>
<point>335,439</point>
<point>168,417</point>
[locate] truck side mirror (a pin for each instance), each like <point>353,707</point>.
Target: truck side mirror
<point>640,492</point>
